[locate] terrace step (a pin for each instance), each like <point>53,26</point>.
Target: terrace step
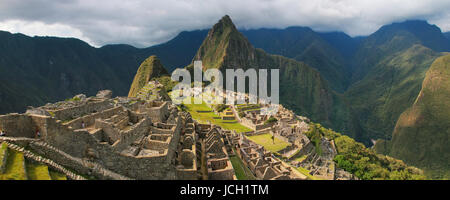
<point>46,161</point>
<point>37,171</point>
<point>57,176</point>
<point>15,166</point>
<point>3,156</point>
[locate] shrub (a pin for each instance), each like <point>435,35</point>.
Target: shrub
<point>270,120</point>
<point>220,107</point>
<point>241,114</point>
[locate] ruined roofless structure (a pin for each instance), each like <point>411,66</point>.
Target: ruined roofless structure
<point>109,138</point>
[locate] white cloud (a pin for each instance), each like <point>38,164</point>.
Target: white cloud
<point>42,29</point>
<point>144,23</point>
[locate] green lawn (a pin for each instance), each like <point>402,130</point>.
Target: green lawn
<point>38,172</point>
<point>266,141</point>
<point>57,175</point>
<point>204,117</point>
<point>241,171</point>
<point>15,166</point>
<point>306,173</point>
<point>301,158</point>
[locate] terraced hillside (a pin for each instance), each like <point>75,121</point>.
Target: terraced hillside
<point>203,113</point>
<point>15,166</point>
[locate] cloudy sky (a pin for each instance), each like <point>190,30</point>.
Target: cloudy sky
<point>147,22</point>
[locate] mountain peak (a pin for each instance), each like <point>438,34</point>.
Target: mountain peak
<point>421,31</point>
<point>225,25</point>
<point>226,20</point>
<point>149,69</point>
<point>224,41</point>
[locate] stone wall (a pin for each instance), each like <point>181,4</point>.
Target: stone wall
<point>78,142</point>
<point>90,119</point>
<point>128,137</point>
<point>17,125</point>
<point>78,111</point>
<point>256,127</point>
<point>158,111</point>
<point>221,174</point>
<point>187,174</point>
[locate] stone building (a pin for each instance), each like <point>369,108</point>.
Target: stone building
<point>263,164</point>
<point>218,162</point>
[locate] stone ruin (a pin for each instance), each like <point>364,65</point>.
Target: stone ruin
<point>218,162</point>
<point>109,138</point>
<point>263,164</point>
<point>289,128</point>
<point>149,138</point>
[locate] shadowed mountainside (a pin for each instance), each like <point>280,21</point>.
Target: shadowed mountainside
<point>421,135</point>
<point>38,70</point>
<point>303,44</point>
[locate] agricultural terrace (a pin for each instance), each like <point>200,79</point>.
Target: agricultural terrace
<point>204,114</point>
<point>266,141</point>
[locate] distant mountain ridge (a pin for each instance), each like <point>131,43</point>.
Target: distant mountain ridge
<point>303,44</point>
<point>447,34</point>
<point>388,69</point>
<point>59,68</point>
<point>394,38</point>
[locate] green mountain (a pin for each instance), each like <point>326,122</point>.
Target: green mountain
<point>37,70</point>
<point>421,135</point>
<point>175,53</point>
<point>389,88</point>
<point>302,88</point>
<point>394,38</point>
<point>150,69</point>
<point>389,68</point>
<point>345,44</point>
<point>303,44</point>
